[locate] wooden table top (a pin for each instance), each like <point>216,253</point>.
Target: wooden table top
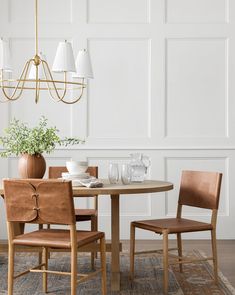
<point>147,186</point>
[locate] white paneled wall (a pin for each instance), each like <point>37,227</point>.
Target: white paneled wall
<point>164,72</point>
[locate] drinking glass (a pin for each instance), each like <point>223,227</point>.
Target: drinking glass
<point>113,173</point>
<point>126,173</point>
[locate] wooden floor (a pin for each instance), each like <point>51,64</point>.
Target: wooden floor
<point>226,252</point>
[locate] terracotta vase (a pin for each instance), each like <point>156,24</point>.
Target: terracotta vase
<point>32,166</point>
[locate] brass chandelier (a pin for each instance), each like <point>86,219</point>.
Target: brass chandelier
<point>36,74</point>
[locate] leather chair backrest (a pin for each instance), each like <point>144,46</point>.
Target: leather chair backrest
<point>56,171</point>
<point>39,201</point>
<point>200,189</point>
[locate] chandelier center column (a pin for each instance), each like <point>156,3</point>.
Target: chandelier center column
<point>36,58</point>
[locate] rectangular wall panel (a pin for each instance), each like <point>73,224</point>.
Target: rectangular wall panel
<point>52,11</point>
<point>118,97</point>
<point>112,11</point>
<point>197,11</point>
<point>196,88</point>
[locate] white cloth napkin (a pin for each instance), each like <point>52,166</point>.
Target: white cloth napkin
<point>83,180</point>
<point>90,183</point>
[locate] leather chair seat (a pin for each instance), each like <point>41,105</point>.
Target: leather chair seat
<point>85,214</point>
<point>174,225</point>
<point>56,238</point>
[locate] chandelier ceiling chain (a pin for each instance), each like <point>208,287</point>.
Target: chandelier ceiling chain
<point>36,74</point>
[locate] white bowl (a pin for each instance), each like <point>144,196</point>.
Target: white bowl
<point>76,167</point>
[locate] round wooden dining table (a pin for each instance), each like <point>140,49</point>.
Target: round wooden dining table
<point>114,191</point>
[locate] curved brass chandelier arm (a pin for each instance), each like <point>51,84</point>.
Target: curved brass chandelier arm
<point>2,80</point>
<point>77,99</point>
<point>17,87</point>
<point>4,91</point>
<point>46,70</point>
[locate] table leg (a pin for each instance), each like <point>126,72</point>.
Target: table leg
<point>115,254</point>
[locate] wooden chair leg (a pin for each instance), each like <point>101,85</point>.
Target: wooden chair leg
<point>96,229</point>
<point>180,253</point>
<point>48,253</point>
<point>93,228</point>
<point>103,265</point>
<point>11,254</point>
<point>45,261</point>
<point>40,226</point>
<point>165,261</point>
<point>73,270</point>
<point>214,252</point>
<point>132,252</point>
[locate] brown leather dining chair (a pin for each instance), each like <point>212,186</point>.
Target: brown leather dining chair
<point>81,214</point>
<point>33,201</point>
<point>197,189</point>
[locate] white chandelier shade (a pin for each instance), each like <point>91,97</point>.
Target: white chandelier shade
<point>5,61</point>
<point>83,65</point>
<point>64,59</point>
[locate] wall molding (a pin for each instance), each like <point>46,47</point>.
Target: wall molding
<point>226,17</point>
<point>11,20</point>
<point>148,133</point>
<point>226,77</point>
<point>144,148</point>
<point>147,21</point>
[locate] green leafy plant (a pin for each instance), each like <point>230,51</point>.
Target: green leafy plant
<point>21,139</point>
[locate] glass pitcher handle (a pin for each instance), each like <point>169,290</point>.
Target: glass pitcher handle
<point>146,161</point>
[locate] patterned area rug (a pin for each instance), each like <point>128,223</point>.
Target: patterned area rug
<point>195,280</point>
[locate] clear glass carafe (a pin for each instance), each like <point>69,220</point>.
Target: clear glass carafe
<point>139,165</point>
